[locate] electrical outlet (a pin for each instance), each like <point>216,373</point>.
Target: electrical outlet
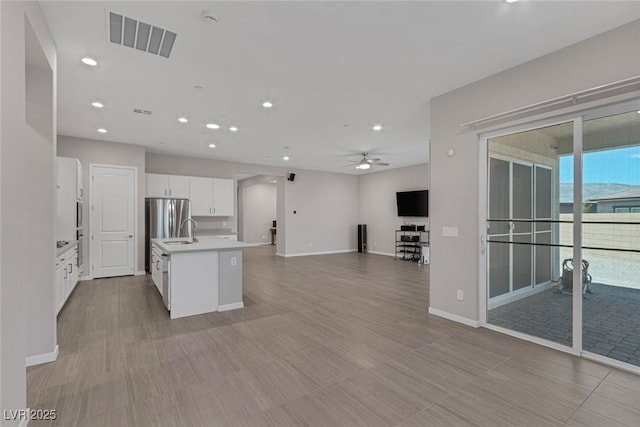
<point>234,261</point>
<point>460,295</point>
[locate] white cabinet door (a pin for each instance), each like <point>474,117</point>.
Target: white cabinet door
<point>179,186</point>
<point>60,278</point>
<point>66,197</point>
<point>157,185</point>
<point>79,181</point>
<point>200,194</point>
<point>223,197</point>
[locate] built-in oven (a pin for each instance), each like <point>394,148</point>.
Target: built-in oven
<point>78,214</point>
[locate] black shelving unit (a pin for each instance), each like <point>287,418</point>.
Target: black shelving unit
<point>411,249</point>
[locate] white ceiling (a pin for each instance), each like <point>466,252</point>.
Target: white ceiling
<point>332,70</point>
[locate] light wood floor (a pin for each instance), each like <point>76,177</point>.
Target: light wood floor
<point>323,341</point>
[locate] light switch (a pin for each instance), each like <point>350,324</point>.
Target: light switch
<point>450,231</point>
<point>451,152</point>
<point>234,261</point>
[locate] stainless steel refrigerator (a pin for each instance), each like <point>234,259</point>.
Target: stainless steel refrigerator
<point>164,219</point>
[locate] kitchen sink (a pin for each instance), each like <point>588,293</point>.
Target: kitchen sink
<point>179,242</point>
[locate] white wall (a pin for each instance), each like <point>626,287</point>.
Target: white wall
<point>106,153</point>
<point>259,212</point>
<point>454,200</point>
<point>27,204</point>
<point>377,203</point>
<point>326,212</point>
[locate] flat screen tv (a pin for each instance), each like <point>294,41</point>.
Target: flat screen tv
<point>413,203</point>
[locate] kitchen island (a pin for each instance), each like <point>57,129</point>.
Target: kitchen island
<point>198,277</point>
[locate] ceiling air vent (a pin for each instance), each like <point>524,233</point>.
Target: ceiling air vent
<point>139,35</point>
<point>141,111</point>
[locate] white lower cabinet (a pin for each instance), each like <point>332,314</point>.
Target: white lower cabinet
<point>67,275</point>
<point>156,268</point>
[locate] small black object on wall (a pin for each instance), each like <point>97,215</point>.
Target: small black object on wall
<point>362,238</point>
<point>291,177</point>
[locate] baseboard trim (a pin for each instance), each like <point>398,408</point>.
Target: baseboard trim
<point>454,317</point>
<point>279,254</point>
<point>381,253</point>
<point>39,359</point>
<point>319,253</point>
<point>140,273</point>
<point>232,306</point>
<point>84,278</point>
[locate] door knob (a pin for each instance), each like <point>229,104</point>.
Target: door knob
<point>130,236</point>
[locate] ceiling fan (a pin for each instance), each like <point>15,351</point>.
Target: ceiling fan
<point>366,162</point>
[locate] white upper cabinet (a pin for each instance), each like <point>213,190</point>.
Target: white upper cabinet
<point>173,186</point>
<point>68,193</point>
<point>222,197</point>
<point>201,196</point>
<point>79,181</point>
<point>211,196</point>
<point>179,186</point>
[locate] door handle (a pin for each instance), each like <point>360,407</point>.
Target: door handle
<point>130,236</point>
<point>170,192</point>
<point>157,267</point>
<point>65,273</point>
<point>70,268</point>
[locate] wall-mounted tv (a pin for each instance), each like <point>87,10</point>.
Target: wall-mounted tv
<point>413,203</point>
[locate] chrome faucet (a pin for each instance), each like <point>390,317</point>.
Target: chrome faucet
<point>194,225</point>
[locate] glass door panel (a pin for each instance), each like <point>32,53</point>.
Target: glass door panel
<point>611,237</point>
<point>525,199</point>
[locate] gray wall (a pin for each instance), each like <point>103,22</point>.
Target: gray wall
<point>327,212</point>
<point>377,203</point>
<point>106,153</point>
<point>258,211</point>
<point>27,205</point>
<point>454,199</point>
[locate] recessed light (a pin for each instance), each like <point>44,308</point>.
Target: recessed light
<point>183,120</point>
<point>102,130</point>
<point>213,126</point>
<point>267,104</point>
<point>90,61</point>
<point>511,1</point>
<point>377,128</point>
<point>285,158</point>
<point>212,145</point>
<point>97,104</point>
<point>233,129</point>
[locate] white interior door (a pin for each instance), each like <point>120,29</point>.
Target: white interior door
<point>112,221</point>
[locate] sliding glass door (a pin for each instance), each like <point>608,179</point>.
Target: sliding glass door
<point>549,187</point>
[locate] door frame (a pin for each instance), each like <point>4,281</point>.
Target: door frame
<point>92,167</point>
<point>483,192</point>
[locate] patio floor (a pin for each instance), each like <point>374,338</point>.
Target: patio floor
<point>611,316</point>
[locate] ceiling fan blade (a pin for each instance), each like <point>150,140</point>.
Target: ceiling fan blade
<point>382,164</point>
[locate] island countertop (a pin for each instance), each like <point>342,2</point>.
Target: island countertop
<point>208,245</point>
